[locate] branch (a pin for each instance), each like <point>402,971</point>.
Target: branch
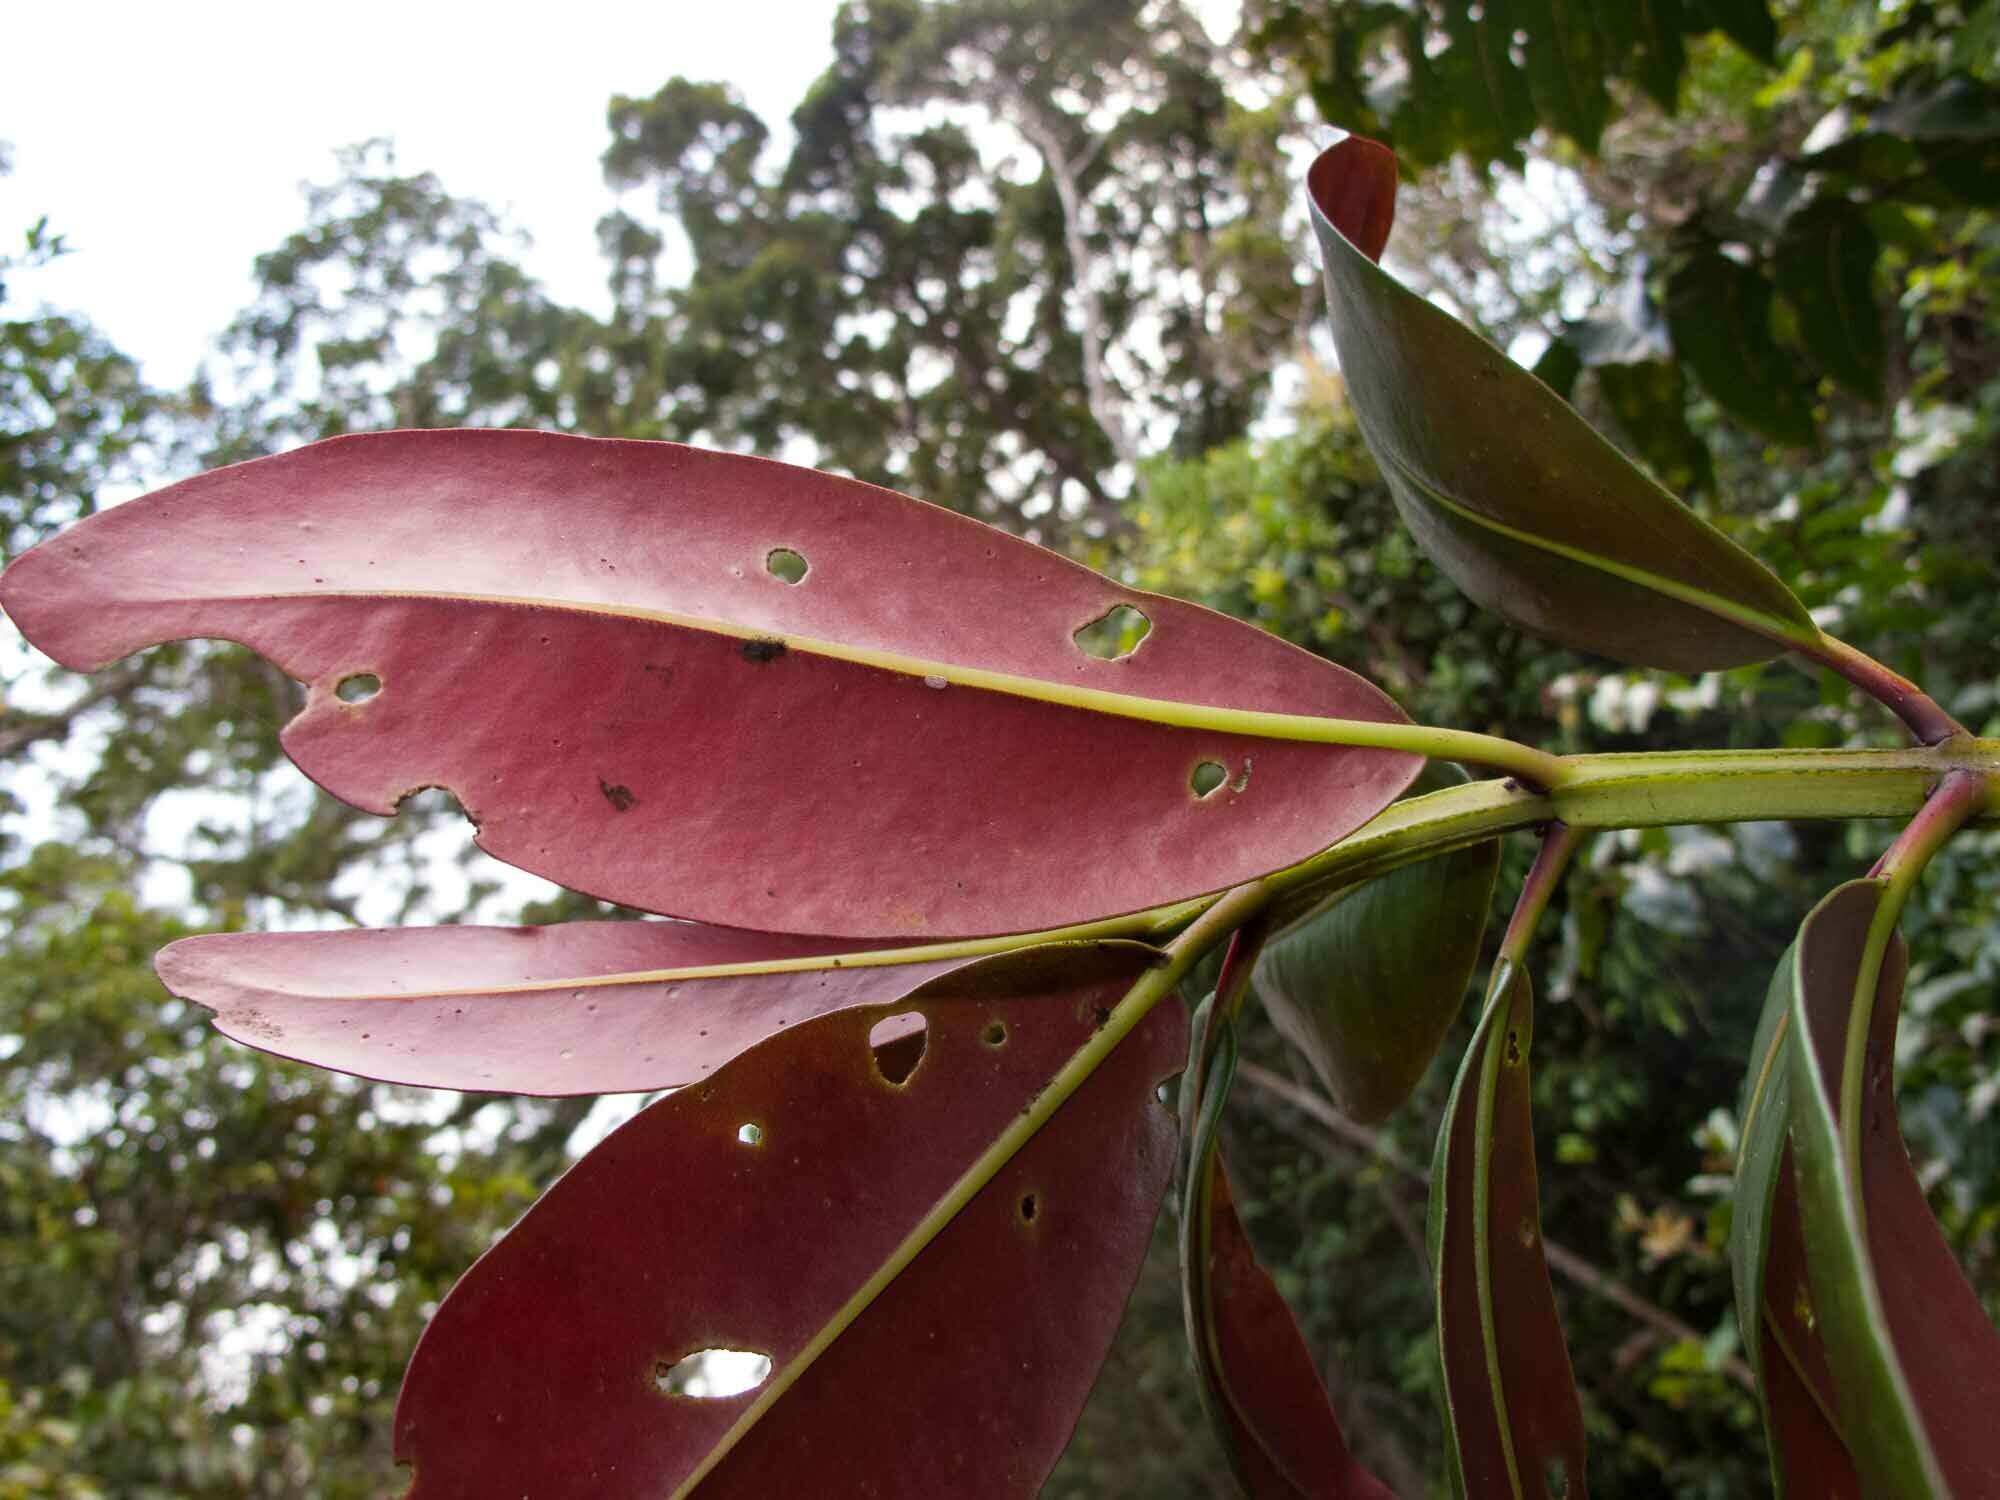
<point>24,730</point>
<point>1567,1263</point>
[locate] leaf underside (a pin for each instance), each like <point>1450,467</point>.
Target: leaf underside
<point>1530,511</point>
<point>541,1372</point>
<point>573,1008</point>
<point>1511,1400</point>
<point>1915,1360</point>
<point>589,644</point>
<point>1368,985</point>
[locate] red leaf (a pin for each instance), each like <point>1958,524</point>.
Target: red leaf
<point>1512,1398</point>
<point>1354,184</point>
<point>577,1008</point>
<point>1946,1346</point>
<point>1285,1430</point>
<point>539,1374</point>
<point>1809,1459</point>
<point>585,642</point>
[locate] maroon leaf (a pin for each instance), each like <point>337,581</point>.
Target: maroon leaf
<point>685,1231</point>
<point>1285,1431</point>
<point>1511,1398</point>
<point>1808,1459</point>
<point>578,1008</point>
<point>593,645</point>
<point>1892,1305</point>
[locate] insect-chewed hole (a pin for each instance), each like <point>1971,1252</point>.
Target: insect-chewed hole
<point>785,565</point>
<point>995,1034</point>
<point>898,1043</point>
<point>357,687</point>
<point>1030,1206</point>
<point>750,1133</point>
<point>1555,1479</point>
<point>1115,633</point>
<point>1208,778</point>
<point>708,1374</point>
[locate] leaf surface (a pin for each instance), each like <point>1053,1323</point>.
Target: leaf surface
<point>573,1008</point>
<point>1825,267</point>
<point>1720,315</point>
<point>1257,1379</point>
<point>541,1372</point>
<point>1367,985</point>
<point>1767,1257</point>
<point>593,646</point>
<point>1528,509</point>
<point>1916,1361</point>
<point>1510,1397</point>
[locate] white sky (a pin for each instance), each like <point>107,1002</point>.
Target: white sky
<point>167,142</point>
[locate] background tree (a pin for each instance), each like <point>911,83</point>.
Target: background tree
<point>1038,261</point>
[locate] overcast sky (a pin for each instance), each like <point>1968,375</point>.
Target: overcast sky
<point>167,142</point>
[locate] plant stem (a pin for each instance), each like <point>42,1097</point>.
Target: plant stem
<point>1957,797</point>
<point>1559,843</point>
<point>1902,697</point>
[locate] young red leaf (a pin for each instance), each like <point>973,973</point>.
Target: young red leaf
<point>1808,1459</point>
<point>1507,489</point>
<point>1509,1394</point>
<point>576,1008</point>
<point>1915,1360</point>
<point>758,1211</point>
<point>607,652</point>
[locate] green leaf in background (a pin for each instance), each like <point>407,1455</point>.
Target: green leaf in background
<point>1648,401</point>
<point>1767,1258</point>
<point>1645,38</point>
<point>1510,1399</point>
<point>1529,510</point>
<point>1720,314</point>
<point>1565,60</point>
<point>1825,268</point>
<point>1748,23</point>
<point>1918,1361</point>
<point>1368,983</point>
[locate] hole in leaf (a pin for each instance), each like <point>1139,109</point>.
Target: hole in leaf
<point>1029,1208</point>
<point>1555,1479</point>
<point>785,565</point>
<point>995,1034</point>
<point>1115,633</point>
<point>1208,778</point>
<point>898,1042</point>
<point>357,687</point>
<point>708,1374</point>
<point>1513,1049</point>
<point>750,1133</point>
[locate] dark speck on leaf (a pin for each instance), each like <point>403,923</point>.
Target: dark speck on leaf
<point>763,650</point>
<point>619,797</point>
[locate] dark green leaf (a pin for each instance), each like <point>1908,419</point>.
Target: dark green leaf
<point>1720,314</point>
<point>1566,66</point>
<point>1367,985</point>
<point>1645,38</point>
<point>1825,267</point>
<point>1648,401</point>
<point>1510,1399</point>
<point>1747,23</point>
<point>1529,511</point>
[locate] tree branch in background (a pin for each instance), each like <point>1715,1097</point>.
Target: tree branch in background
<point>1566,1263</point>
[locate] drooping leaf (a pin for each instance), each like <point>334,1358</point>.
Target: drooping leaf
<point>1916,1362</point>
<point>1825,268</point>
<point>1531,512</point>
<point>1720,314</point>
<point>1565,61</point>
<point>1257,1380</point>
<point>770,1211</point>
<point>1767,1258</point>
<point>1511,1402</point>
<point>1648,402</point>
<point>1748,23</point>
<point>1645,37</point>
<point>599,648</point>
<point>577,1008</point>
<point>1367,985</point>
